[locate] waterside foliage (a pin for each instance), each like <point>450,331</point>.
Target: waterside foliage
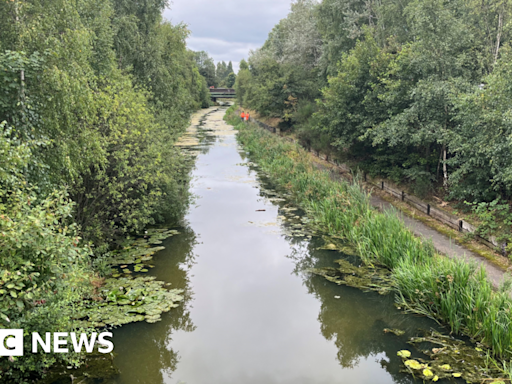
<point>451,291</point>
<point>94,95</point>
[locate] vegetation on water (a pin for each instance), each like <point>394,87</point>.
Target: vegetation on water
<point>450,358</point>
<point>453,292</point>
<point>94,94</point>
<point>415,91</point>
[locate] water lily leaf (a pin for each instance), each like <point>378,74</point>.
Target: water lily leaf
<point>435,378</point>
<point>404,353</point>
<point>413,364</point>
<point>479,349</point>
<point>428,373</point>
<point>456,374</point>
<point>446,366</point>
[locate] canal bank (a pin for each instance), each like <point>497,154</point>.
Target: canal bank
<point>452,291</point>
<point>252,312</point>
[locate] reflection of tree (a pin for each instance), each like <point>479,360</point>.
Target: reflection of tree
<point>355,322</point>
<point>144,355</point>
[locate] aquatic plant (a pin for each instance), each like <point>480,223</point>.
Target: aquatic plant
<point>125,300</point>
<point>449,358</point>
<point>366,278</point>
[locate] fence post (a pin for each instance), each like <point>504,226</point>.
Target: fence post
<point>460,225</point>
<point>403,195</point>
<point>382,185</point>
<point>364,176</point>
<point>428,209</point>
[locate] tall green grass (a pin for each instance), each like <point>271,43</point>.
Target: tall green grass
<point>451,291</point>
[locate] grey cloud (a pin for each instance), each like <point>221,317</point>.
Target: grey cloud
<point>227,29</point>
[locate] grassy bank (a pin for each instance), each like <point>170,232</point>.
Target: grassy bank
<point>453,292</point>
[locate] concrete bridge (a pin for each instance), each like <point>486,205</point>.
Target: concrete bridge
<point>222,93</point>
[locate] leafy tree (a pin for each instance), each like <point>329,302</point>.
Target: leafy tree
<point>206,68</point>
<point>230,80</point>
<point>95,93</point>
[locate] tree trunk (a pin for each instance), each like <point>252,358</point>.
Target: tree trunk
<point>498,37</point>
<point>22,74</point>
<point>445,171</point>
<point>439,163</point>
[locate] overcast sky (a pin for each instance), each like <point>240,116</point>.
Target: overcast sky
<point>227,29</point>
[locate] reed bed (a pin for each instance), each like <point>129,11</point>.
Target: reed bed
<point>453,292</point>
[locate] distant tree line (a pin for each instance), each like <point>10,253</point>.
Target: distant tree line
<point>218,77</point>
<point>417,91</point>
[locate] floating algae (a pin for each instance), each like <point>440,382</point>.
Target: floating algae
<point>394,331</point>
<point>125,300</point>
<point>451,359</point>
<point>362,277</point>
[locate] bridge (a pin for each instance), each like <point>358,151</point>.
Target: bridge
<point>222,93</point>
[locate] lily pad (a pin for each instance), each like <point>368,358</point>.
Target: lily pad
<point>141,298</point>
<point>413,364</point>
<point>452,358</point>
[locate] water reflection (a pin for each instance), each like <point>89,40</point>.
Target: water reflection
<point>252,313</point>
<point>146,356</point>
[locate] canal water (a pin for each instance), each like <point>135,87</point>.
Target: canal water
<point>252,312</point>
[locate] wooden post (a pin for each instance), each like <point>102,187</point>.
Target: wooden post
<point>403,195</point>
<point>460,225</point>
<point>364,176</point>
<point>382,185</point>
<point>428,209</point>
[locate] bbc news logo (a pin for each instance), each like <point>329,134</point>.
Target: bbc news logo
<point>11,342</point>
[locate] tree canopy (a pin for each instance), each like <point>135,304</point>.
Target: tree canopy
<point>95,93</point>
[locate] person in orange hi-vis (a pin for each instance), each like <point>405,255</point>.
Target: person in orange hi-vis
<point>247,117</point>
<point>242,115</point>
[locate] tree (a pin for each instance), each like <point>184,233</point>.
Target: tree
<point>206,67</point>
<point>243,65</point>
<point>230,80</point>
